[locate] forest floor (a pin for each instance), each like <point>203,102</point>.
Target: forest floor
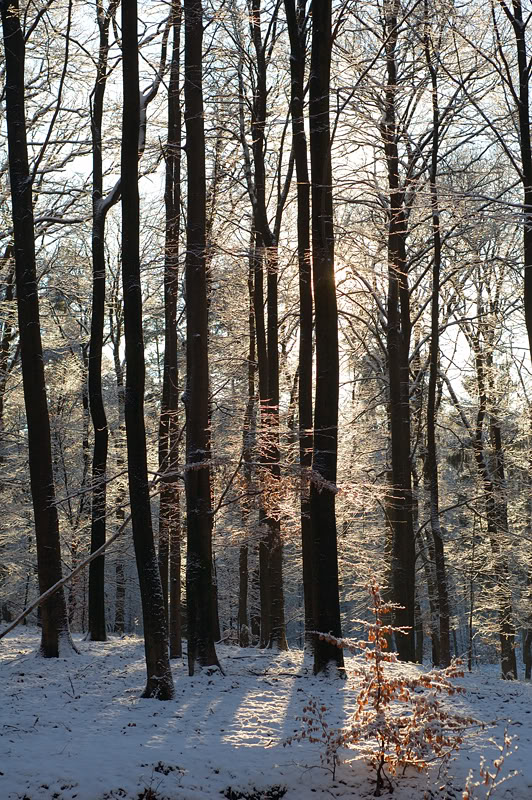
<point>76,729</point>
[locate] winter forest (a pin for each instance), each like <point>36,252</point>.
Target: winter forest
<point>265,399</point>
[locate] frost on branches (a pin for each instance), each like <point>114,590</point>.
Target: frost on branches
<point>490,775</point>
<point>400,720</point>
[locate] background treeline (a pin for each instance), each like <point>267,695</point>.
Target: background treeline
<point>330,370</point>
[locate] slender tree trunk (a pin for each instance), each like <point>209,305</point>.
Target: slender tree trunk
<point>527,632</point>
<point>159,677</point>
<point>115,325</point>
<point>326,602</point>
<point>97,628</point>
<point>398,344</point>
<point>248,444</point>
<point>496,518</point>
<point>432,457</point>
<point>273,632</point>
<point>169,515</point>
<point>262,360</point>
<point>519,25</point>
<point>55,635</point>
<point>275,546</point>
<point>200,621</point>
<point>8,334</point>
<point>296,19</point>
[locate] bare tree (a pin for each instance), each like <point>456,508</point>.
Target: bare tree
<point>326,605</point>
<point>159,677</point>
<point>55,637</point>
<point>200,620</point>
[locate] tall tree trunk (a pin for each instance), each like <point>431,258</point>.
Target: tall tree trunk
<point>262,361</point>
<point>527,632</point>
<point>169,515</point>
<point>55,635</point>
<point>159,677</point>
<point>8,333</point>
<point>496,512</point>
<point>97,629</point>
<point>326,603</point>
<point>398,344</point>
<point>247,456</point>
<point>296,19</point>
<point>201,649</point>
<point>115,320</point>
<point>431,464</point>
<point>522,101</point>
<point>273,630</point>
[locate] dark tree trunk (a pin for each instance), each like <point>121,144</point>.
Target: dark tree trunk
<point>169,515</point>
<point>55,635</point>
<point>200,621</point>
<point>522,97</point>
<point>97,629</point>
<point>120,599</point>
<point>296,19</point>
<point>247,456</point>
<point>273,631</point>
<point>115,319</point>
<point>326,603</point>
<point>262,362</point>
<point>527,632</point>
<point>398,345</point>
<point>496,512</point>
<point>272,459</point>
<point>159,677</point>
<point>243,573</point>
<point>519,26</point>
<point>432,457</point>
<point>8,333</point>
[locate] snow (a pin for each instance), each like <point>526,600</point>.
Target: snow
<point>76,728</point>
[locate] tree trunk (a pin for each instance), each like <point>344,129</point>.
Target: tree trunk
<point>273,632</point>
<point>248,443</point>
<point>97,629</point>
<point>200,621</point>
<point>169,515</point>
<point>8,334</point>
<point>496,514</point>
<point>326,602</point>
<point>432,456</point>
<point>296,20</point>
<point>159,677</point>
<point>55,635</point>
<point>115,320</point>
<point>398,345</point>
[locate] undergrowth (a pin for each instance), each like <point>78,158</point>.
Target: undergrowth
<point>400,720</point>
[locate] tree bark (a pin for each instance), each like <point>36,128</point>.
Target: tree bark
<point>432,456</point>
<point>273,630</point>
<point>326,603</point>
<point>492,482</point>
<point>398,345</point>
<point>201,649</point>
<point>159,677</point>
<point>248,437</point>
<point>55,634</point>
<point>296,20</point>
<point>97,628</point>
<point>169,515</point>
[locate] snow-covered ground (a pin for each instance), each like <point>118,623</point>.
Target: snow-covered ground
<point>77,728</point>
